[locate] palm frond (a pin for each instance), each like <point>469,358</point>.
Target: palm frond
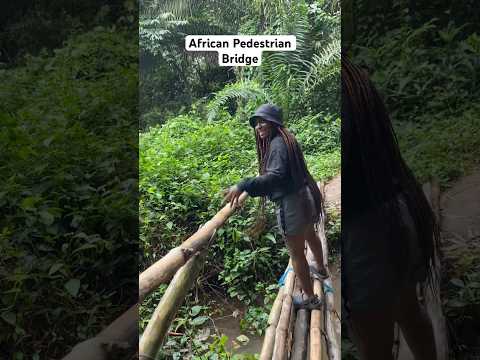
<point>239,91</point>
<point>324,65</point>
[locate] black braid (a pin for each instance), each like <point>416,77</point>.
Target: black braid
<point>373,170</point>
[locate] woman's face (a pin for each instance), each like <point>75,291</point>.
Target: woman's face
<point>263,128</point>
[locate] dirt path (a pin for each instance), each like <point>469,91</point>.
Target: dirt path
<point>333,192</point>
<point>461,209</point>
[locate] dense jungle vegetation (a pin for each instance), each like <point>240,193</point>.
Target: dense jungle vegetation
<point>424,58</point>
<point>68,172</point>
<point>196,141</point>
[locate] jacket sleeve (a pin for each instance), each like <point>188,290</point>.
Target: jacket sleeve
<point>276,171</point>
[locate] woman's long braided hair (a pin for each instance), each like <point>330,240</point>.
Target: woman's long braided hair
<point>373,170</point>
<point>297,166</point>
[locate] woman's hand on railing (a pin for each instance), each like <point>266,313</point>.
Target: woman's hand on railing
<point>232,194</point>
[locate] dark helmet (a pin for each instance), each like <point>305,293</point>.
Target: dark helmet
<point>268,112</point>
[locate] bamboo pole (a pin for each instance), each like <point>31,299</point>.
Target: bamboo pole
<point>433,300</point>
<point>164,269</point>
<point>167,308</point>
<point>332,321</point>
<point>300,343</point>
<point>280,347</point>
<point>316,321</point>
<point>297,291</point>
<point>269,338</point>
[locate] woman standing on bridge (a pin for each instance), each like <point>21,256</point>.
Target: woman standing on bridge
<point>285,180</point>
<point>388,228</point>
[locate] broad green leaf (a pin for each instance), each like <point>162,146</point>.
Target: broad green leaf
<point>46,217</point>
<point>199,320</point>
<point>457,282</point>
<point>9,317</point>
<point>84,247</point>
<point>55,268</point>
<point>243,339</point>
<point>29,202</point>
<point>195,310</point>
<point>73,286</point>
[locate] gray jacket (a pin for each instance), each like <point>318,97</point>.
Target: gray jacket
<point>277,180</point>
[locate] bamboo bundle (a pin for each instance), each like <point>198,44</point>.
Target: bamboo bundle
<point>165,312</point>
<point>164,269</point>
<point>280,347</point>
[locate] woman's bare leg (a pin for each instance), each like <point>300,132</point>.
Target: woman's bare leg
<point>296,246</point>
<point>372,333</point>
<point>316,246</point>
<point>416,325</point>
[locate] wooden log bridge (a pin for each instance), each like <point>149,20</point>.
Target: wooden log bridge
<point>290,335</point>
<point>303,334</point>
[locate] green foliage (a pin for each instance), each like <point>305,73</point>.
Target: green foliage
<point>192,333</point>
<point>202,142</point>
<point>255,319</point>
<point>171,80</point>
<point>295,79</point>
<point>238,94</point>
<point>68,191</point>
<point>441,146</point>
<point>184,166</point>
<point>318,133</point>
<point>333,228</point>
<point>242,268</point>
<point>427,68</point>
<point>428,75</point>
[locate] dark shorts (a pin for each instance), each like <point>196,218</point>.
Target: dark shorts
<point>371,276</point>
<point>295,212</point>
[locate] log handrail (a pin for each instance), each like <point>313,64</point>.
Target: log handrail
<point>163,270</point>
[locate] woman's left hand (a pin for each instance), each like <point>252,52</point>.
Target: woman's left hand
<point>232,194</point>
